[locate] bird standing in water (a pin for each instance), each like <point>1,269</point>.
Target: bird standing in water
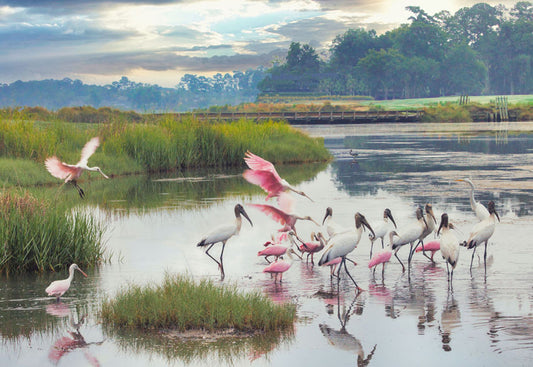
<point>58,287</point>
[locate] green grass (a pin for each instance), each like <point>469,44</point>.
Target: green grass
<point>37,236</point>
<point>182,304</point>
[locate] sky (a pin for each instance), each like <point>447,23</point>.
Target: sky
<point>158,41</point>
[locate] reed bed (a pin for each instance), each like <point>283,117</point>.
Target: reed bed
<point>37,236</point>
<point>182,304</point>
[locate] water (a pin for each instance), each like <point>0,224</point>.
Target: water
<point>402,318</point>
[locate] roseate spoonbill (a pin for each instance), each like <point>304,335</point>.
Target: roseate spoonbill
<point>272,250</point>
<point>332,227</point>
<point>279,267</point>
<point>431,225</point>
<point>449,245</point>
<point>409,235</point>
<point>287,220</point>
<point>381,230</point>
<point>344,243</point>
<point>58,287</point>
<point>311,247</point>
<point>264,174</point>
<point>478,208</point>
<point>383,256</point>
<point>223,234</point>
<point>431,246</point>
<point>71,172</point>
<point>481,233</point>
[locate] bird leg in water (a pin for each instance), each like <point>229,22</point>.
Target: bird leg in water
<point>403,267</point>
<point>220,266</point>
<point>472,260</point>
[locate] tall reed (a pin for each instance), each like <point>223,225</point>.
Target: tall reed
<point>37,236</point>
<point>183,304</point>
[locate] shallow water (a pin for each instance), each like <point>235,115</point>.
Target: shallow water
<point>406,318</point>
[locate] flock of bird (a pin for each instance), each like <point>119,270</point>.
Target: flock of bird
<point>340,242</point>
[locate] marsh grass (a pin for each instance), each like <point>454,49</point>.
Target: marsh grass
<point>37,236</point>
<point>183,304</point>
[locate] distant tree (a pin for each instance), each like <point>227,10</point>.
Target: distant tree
<point>462,71</point>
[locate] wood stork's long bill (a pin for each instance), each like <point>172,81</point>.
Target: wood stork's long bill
<point>360,220</point>
<point>429,211</point>
<point>443,222</point>
<point>329,213</point>
<point>492,209</point>
<point>387,214</point>
<point>240,210</point>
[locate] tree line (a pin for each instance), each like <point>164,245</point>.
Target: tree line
<point>478,50</point>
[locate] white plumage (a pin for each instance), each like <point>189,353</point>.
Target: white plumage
<point>478,208</point>
<point>449,245</point>
<point>409,235</point>
<point>382,229</point>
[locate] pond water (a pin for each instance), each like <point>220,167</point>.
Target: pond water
<point>409,318</point>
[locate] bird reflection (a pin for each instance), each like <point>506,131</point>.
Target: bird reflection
<point>342,339</point>
<point>450,319</point>
<point>74,341</point>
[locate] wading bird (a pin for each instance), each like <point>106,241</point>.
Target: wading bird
<point>383,256</point>
<point>332,227</point>
<point>71,172</point>
<point>481,233</point>
<point>409,235</point>
<point>449,245</point>
<point>273,248</point>
<point>264,174</point>
<point>344,243</point>
<point>287,220</point>
<point>430,227</point>
<point>382,229</point>
<point>279,267</point>
<point>478,208</point>
<point>58,287</point>
<point>223,234</point>
<point>431,246</point>
<point>311,247</point>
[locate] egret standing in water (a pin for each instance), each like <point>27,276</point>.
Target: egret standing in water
<point>71,172</point>
<point>223,234</point>
<point>478,208</point>
<point>58,287</point>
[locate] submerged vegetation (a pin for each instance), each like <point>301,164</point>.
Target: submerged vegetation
<point>38,236</point>
<point>182,304</point>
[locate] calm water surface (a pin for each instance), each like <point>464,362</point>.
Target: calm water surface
<point>410,318</point>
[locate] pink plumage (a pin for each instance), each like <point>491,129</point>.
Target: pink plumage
<point>432,246</point>
<point>381,257</point>
<point>288,221</point>
<point>58,287</point>
<point>264,174</point>
<point>69,172</point>
<point>273,250</point>
<point>279,266</point>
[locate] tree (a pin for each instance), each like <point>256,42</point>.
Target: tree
<point>462,71</point>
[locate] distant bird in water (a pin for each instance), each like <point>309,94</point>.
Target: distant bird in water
<point>223,234</point>
<point>449,245</point>
<point>482,232</point>
<point>264,174</point>
<point>58,287</point>
<point>382,229</point>
<point>354,156</point>
<point>71,172</point>
<point>478,208</point>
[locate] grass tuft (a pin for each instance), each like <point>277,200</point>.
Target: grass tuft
<point>182,304</point>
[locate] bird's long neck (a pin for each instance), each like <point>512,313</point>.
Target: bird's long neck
<point>238,224</point>
<point>70,274</point>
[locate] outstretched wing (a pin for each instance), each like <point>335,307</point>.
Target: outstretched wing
<point>274,213</point>
<point>59,169</point>
<point>88,150</point>
<point>265,179</point>
<point>257,163</point>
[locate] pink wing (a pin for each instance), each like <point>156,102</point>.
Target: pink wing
<point>59,169</point>
<point>335,261</point>
<point>274,250</point>
<point>309,247</point>
<point>88,150</point>
<point>259,164</point>
<point>276,214</point>
<point>266,180</point>
<point>279,266</point>
<point>380,258</point>
<point>430,246</point>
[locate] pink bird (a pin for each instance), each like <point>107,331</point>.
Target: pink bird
<point>383,256</point>
<point>273,250</point>
<point>311,247</point>
<point>69,172</point>
<point>333,265</point>
<point>287,220</point>
<point>278,268</point>
<point>58,287</point>
<point>432,246</point>
<point>264,174</point>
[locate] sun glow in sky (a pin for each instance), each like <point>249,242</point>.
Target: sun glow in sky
<point>158,41</point>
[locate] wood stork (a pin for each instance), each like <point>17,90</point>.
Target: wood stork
<point>449,245</point>
<point>383,229</point>
<point>342,244</point>
<point>482,232</point>
<point>431,225</point>
<point>478,208</point>
<point>223,234</point>
<point>332,227</point>
<point>409,235</point>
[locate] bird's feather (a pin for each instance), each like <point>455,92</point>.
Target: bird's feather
<point>88,150</point>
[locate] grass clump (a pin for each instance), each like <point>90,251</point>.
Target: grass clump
<point>35,235</point>
<point>182,304</point>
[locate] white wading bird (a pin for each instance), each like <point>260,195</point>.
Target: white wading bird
<point>477,207</point>
<point>223,234</point>
<point>431,225</point>
<point>382,229</point>
<point>332,227</point>
<point>344,243</point>
<point>449,245</point>
<point>409,235</point>
<point>71,172</point>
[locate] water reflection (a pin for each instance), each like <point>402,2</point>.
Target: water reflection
<point>342,339</point>
<point>450,320</point>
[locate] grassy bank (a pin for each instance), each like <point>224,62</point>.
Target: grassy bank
<point>182,304</point>
<point>162,145</point>
<point>38,236</point>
